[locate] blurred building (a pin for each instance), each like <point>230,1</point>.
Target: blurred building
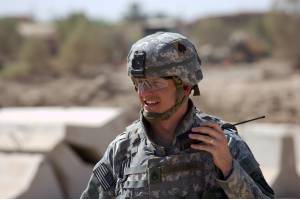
<point>44,31</point>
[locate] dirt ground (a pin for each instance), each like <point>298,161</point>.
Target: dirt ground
<point>269,87</point>
<point>232,92</point>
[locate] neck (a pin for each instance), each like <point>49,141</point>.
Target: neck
<point>164,131</point>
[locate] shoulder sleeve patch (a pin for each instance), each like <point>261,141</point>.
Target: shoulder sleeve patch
<point>105,177</point>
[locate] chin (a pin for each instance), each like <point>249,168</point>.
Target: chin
<point>155,108</point>
<point>152,110</point>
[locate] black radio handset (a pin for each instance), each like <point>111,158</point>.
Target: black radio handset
<point>186,141</point>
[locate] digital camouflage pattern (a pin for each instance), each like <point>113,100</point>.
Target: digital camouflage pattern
<point>168,54</point>
<point>133,166</point>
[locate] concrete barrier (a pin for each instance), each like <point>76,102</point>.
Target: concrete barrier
<point>69,140</point>
<point>72,173</point>
<point>288,173</point>
<point>27,176</point>
<point>87,129</point>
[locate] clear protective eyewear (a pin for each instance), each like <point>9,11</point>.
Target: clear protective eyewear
<point>150,84</point>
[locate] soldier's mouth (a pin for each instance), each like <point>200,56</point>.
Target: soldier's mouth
<point>151,103</point>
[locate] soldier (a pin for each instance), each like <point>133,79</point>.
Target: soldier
<point>174,150</point>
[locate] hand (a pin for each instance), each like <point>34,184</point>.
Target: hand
<point>213,141</point>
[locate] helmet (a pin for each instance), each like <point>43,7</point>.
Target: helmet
<point>165,54</point>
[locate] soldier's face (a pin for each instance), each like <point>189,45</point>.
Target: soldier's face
<point>156,94</point>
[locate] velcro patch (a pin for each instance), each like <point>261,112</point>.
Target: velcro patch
<point>104,176</point>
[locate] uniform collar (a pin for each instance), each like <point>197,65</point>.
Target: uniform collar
<point>184,125</point>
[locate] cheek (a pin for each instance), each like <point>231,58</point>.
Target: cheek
<point>140,98</point>
<point>170,97</point>
<point>174,96</point>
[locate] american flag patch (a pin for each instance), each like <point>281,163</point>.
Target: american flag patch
<point>104,176</point>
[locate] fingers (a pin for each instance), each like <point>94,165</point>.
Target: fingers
<point>204,147</point>
<point>213,141</point>
<point>210,134</point>
<point>204,138</point>
<point>213,130</point>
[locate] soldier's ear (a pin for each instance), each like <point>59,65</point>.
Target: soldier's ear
<point>187,90</point>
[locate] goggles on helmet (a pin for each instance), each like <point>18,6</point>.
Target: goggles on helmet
<point>150,84</point>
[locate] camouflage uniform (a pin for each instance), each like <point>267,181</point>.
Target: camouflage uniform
<point>134,166</point>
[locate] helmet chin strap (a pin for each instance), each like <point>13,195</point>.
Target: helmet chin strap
<point>154,116</point>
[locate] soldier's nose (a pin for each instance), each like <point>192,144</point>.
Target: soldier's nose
<point>144,92</point>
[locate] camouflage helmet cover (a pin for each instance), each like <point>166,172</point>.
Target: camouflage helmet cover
<point>165,54</point>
